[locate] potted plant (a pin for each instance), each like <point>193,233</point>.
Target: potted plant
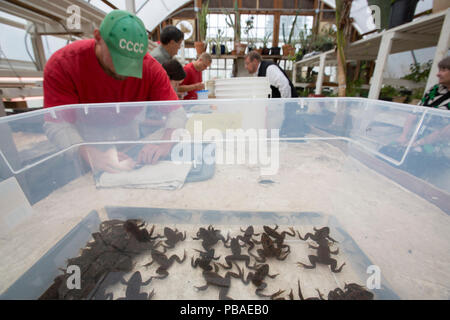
<point>247,30</point>
<point>288,47</point>
<point>218,48</point>
<point>265,50</point>
<point>239,48</point>
<point>200,46</point>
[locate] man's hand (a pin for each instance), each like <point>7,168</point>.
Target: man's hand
<point>109,161</point>
<point>199,86</point>
<point>151,153</point>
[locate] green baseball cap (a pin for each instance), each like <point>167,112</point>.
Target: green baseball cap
<point>127,41</point>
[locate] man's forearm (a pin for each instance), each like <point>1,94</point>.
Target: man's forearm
<point>62,134</point>
<point>187,87</point>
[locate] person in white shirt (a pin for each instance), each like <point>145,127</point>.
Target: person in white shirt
<point>286,116</point>
<point>280,84</point>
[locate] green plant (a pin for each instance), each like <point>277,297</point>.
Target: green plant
<point>417,93</point>
<point>354,88</point>
<point>234,23</point>
<point>266,39</point>
<point>291,32</point>
<point>248,27</point>
<point>217,41</point>
<point>419,72</point>
<point>305,40</point>
<point>202,21</point>
<point>388,92</point>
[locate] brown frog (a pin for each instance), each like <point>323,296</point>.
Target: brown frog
<point>204,260</point>
<point>210,237</point>
<point>164,262</point>
<point>323,233</point>
<point>138,230</point>
<point>133,291</point>
<point>262,271</point>
<point>236,255</point>
<point>276,235</point>
<point>323,256</point>
<point>269,250</point>
<point>213,278</point>
<point>173,237</point>
<point>247,238</point>
<point>352,291</point>
<point>279,237</point>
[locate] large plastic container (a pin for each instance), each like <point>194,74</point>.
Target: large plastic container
<point>242,88</point>
<point>326,162</point>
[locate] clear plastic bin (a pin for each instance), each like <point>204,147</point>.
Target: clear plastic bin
<point>308,164</point>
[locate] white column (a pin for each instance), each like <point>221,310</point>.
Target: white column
<point>383,53</point>
<point>441,51</point>
<point>38,49</point>
<point>130,5</point>
<point>319,81</point>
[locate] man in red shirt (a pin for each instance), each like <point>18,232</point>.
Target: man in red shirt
<point>112,67</point>
<point>193,81</point>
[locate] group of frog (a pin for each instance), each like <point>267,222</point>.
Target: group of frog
<point>272,246</point>
<point>120,241</point>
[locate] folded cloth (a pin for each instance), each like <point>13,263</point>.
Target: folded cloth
<point>165,175</point>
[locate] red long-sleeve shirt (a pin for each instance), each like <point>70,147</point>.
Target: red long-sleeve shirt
<point>73,75</point>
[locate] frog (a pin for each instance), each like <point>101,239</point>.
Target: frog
<point>269,250</point>
<point>138,230</point>
<point>353,291</point>
<point>248,237</point>
<point>323,256</point>
<point>164,262</point>
<point>213,278</point>
<point>204,260</point>
<point>134,285</point>
<point>210,237</point>
<point>236,255</point>
<point>323,233</point>
<point>262,271</point>
<point>279,237</point>
<point>172,237</point>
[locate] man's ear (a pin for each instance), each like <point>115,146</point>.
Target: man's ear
<point>97,35</point>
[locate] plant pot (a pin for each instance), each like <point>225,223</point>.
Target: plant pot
<point>265,51</point>
<point>327,46</point>
<point>200,47</point>
<point>275,51</point>
<point>214,50</point>
<point>402,11</point>
<point>240,48</point>
<point>287,50</point>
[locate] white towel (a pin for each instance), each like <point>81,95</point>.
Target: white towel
<point>165,175</point>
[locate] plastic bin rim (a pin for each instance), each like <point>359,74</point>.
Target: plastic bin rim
<point>43,111</point>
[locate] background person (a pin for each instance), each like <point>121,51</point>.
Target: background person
<point>176,73</point>
<point>288,117</point>
<point>194,79</point>
<point>280,84</point>
<point>171,38</point>
<point>437,97</point>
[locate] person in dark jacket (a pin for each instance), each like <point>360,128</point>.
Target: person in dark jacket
<point>282,87</point>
